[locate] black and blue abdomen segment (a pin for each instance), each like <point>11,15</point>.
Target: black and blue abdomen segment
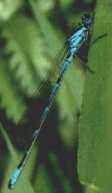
<point>12,181</point>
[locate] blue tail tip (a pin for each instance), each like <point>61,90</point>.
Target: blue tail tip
<point>10,185</point>
<point>14,177</point>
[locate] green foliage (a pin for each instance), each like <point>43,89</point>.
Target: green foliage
<point>29,61</point>
<point>8,7</point>
<point>43,181</point>
<point>12,157</point>
<point>45,7</point>
<point>58,171</point>
<point>65,3</point>
<point>70,101</point>
<point>95,142</point>
<point>27,64</point>
<point>47,30</point>
<point>32,35</point>
<point>13,104</point>
<point>71,91</point>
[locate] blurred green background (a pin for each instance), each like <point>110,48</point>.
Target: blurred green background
<point>73,153</point>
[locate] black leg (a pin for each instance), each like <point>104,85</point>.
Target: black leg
<point>98,38</point>
<point>84,65</point>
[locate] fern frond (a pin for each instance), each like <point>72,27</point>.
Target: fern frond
<point>10,101</point>
<point>8,7</point>
<point>29,61</point>
<point>52,38</point>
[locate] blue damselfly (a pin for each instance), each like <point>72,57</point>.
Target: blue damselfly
<point>75,41</point>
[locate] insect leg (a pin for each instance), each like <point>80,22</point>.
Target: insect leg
<point>98,38</point>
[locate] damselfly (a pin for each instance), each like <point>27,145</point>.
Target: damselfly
<point>75,41</point>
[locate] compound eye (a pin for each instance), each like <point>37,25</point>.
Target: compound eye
<point>86,19</point>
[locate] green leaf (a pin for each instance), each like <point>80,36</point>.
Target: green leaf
<point>10,147</point>
<point>8,7</point>
<point>29,61</point>
<point>45,7</point>
<point>13,104</point>
<point>65,3</point>
<point>95,157</point>
<point>59,174</point>
<point>70,101</point>
<point>71,92</point>
<point>42,182</point>
<point>47,30</point>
